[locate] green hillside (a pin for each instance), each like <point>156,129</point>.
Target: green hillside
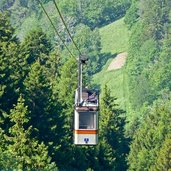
<point>114,39</point>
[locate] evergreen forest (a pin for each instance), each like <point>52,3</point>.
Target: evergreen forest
<point>39,76</point>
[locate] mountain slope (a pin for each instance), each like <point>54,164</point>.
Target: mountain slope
<point>114,39</point>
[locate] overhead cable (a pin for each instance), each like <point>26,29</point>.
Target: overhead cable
<point>66,27</point>
<point>55,28</point>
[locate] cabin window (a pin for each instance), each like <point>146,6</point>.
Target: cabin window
<point>86,120</point>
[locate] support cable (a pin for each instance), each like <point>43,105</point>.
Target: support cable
<point>55,28</point>
<point>63,21</point>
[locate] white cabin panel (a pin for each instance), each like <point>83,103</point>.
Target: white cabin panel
<point>86,139</point>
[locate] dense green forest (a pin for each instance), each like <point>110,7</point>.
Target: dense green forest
<point>38,79</point>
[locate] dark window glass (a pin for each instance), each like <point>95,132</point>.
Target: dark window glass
<point>86,120</point>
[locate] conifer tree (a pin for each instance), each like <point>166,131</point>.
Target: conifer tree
<point>37,94</point>
<point>5,159</point>
<point>11,66</point>
<point>150,137</point>
<point>6,31</point>
<point>29,153</point>
<point>35,44</point>
<point>52,66</point>
<point>113,145</point>
<point>44,107</point>
<point>146,44</point>
<point>68,81</point>
<point>66,89</point>
<point>161,75</point>
<point>163,161</point>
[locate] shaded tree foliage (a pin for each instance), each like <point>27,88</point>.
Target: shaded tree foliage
<point>26,152</point>
<point>149,79</point>
<point>35,45</point>
<point>99,12</point>
<point>66,87</point>
<point>89,43</point>
<point>11,68</point>
<point>113,146</point>
<point>150,137</point>
<point>149,34</point>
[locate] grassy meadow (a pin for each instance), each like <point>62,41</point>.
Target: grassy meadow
<point>114,39</point>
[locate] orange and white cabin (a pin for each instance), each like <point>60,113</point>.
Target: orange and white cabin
<point>86,118</point>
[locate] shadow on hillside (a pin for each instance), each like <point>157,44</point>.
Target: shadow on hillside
<point>103,58</point>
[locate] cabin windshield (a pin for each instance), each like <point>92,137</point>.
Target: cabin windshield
<point>86,120</point>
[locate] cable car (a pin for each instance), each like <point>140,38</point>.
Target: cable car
<point>85,114</point>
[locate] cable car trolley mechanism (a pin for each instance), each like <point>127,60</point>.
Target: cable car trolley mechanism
<point>86,112</point>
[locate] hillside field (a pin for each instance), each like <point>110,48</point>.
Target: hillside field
<point>114,39</point>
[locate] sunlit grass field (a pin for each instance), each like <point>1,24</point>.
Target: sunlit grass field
<point>114,39</point>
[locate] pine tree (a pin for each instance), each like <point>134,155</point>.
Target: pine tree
<point>161,75</point>
<point>149,138</point>
<point>163,161</point>
<point>35,44</point>
<point>6,31</point>
<point>11,67</point>
<point>68,81</point>
<point>155,15</point>
<point>8,46</point>
<point>113,144</point>
<point>146,44</point>
<point>65,89</point>
<point>46,117</point>
<point>37,95</point>
<point>29,153</point>
<point>3,156</point>
<point>52,66</point>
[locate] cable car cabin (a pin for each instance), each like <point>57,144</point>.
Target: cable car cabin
<point>86,118</point>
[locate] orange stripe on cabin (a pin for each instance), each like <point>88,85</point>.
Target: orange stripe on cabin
<point>85,131</point>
